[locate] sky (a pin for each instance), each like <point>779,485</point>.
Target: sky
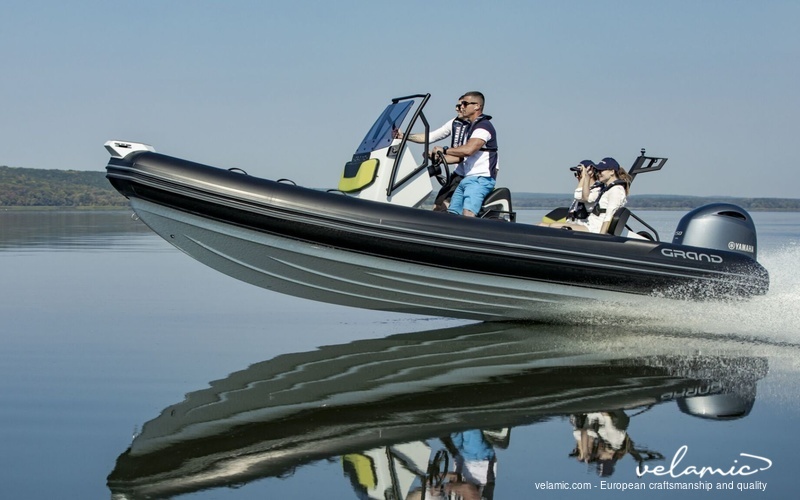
<point>289,89</point>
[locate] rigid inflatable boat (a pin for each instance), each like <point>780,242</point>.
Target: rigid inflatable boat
<point>368,244</point>
<point>383,404</point>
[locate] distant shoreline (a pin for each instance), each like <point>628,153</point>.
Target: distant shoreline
<point>40,189</point>
<point>517,206</point>
<point>51,208</point>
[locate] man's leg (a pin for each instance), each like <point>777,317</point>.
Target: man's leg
<point>474,193</point>
<point>457,199</point>
<point>442,201</point>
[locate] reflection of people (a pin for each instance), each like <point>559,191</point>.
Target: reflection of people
<point>474,465</point>
<point>475,460</point>
<point>601,439</point>
<point>479,153</point>
<point>457,129</point>
<point>469,474</point>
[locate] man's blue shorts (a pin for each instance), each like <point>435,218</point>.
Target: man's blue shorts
<point>470,193</point>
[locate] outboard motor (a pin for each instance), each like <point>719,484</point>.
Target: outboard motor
<point>721,226</point>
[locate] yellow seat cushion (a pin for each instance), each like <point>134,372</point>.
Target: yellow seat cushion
<point>358,175</point>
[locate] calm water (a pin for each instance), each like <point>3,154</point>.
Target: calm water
<point>128,370</point>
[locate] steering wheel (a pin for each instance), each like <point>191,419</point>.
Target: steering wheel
<point>443,176</point>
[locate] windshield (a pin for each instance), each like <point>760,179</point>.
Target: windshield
<point>381,134</point>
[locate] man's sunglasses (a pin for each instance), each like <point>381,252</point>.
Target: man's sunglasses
<point>464,104</point>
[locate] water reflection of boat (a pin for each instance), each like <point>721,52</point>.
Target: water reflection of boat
<point>353,399</point>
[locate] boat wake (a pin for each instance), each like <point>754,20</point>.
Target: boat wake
<point>773,318</point>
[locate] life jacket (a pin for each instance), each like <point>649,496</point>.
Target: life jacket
<point>490,146</point>
<point>618,182</point>
<point>459,132</point>
<point>493,140</point>
<point>578,209</point>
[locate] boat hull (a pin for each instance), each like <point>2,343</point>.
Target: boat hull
<point>333,248</point>
<point>326,274</point>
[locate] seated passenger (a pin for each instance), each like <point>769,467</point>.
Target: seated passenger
<point>612,196</point>
<point>585,196</point>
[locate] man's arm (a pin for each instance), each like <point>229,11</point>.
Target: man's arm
<point>437,135</point>
<point>465,150</point>
<point>440,133</point>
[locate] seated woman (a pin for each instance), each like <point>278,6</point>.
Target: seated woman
<point>611,197</point>
<point>586,193</point>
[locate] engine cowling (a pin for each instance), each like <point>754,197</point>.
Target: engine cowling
<point>721,226</point>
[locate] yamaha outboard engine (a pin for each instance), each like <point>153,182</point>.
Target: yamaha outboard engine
<point>721,226</point>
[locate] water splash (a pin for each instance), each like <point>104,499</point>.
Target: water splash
<point>774,317</point>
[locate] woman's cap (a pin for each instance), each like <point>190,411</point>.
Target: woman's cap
<point>607,164</point>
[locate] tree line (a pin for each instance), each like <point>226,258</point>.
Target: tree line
<point>32,187</point>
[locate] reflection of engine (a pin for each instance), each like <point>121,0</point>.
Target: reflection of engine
<point>719,394</point>
<point>690,392</point>
<point>718,406</point>
<point>721,226</point>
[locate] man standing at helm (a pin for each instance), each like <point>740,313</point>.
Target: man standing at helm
<point>479,154</point>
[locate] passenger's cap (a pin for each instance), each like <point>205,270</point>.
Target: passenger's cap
<point>607,164</point>
<point>585,163</point>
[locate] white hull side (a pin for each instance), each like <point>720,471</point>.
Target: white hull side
<point>330,275</point>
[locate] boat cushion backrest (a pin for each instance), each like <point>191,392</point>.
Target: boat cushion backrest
<point>501,195</point>
<point>618,221</point>
<point>358,174</point>
<point>497,205</point>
